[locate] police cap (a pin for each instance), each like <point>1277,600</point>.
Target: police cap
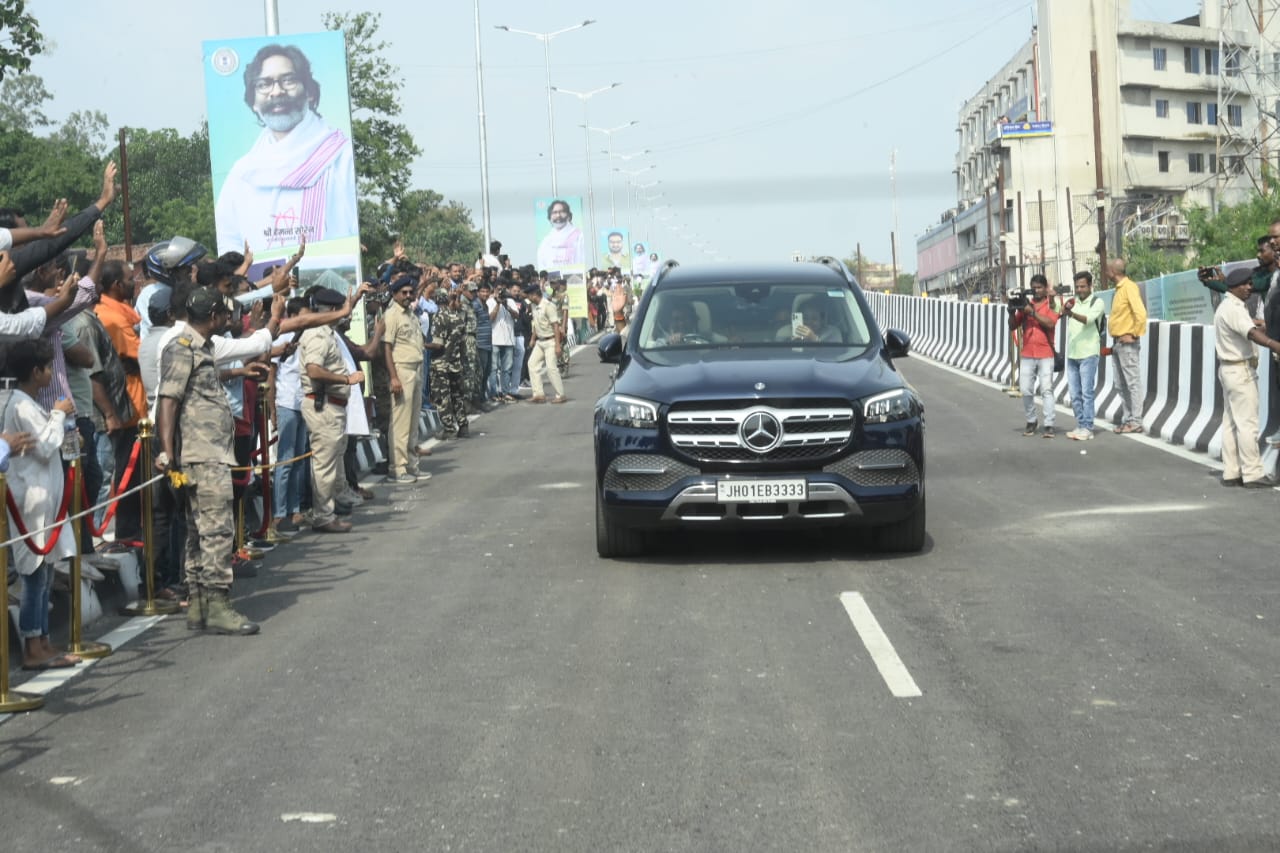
<point>1239,276</point>
<point>204,302</point>
<point>327,297</point>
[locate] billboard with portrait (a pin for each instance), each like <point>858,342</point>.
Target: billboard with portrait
<point>615,250</point>
<point>562,247</point>
<point>280,149</point>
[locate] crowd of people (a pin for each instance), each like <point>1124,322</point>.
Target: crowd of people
<point>1247,316</point>
<point>93,348</point>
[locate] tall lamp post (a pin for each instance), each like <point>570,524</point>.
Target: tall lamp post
<point>631,176</point>
<point>484,140</point>
<point>591,197</point>
<point>609,132</point>
<point>546,38</point>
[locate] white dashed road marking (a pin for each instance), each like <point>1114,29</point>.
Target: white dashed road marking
<point>892,670</point>
<point>308,817</point>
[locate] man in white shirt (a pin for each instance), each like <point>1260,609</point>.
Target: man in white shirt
<point>504,343</point>
<point>1235,335</point>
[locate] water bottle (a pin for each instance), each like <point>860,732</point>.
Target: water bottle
<point>71,441</point>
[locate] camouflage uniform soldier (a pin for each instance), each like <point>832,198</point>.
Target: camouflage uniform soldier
<point>448,391</point>
<point>560,296</point>
<point>471,370</point>
<point>196,433</point>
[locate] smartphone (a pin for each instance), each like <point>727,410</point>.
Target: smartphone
<point>797,320</point>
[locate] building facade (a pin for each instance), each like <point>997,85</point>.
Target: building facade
<point>1183,113</point>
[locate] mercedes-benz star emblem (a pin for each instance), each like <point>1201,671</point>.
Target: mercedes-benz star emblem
<point>760,432</point>
<point>759,386</point>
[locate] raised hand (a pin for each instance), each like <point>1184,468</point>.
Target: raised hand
<point>108,186</point>
<point>53,225</point>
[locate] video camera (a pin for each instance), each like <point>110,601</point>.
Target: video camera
<point>1018,298</point>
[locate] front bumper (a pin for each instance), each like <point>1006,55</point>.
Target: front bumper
<point>870,488</point>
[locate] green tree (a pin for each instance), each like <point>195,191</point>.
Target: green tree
<point>20,37</point>
<point>435,231</point>
<point>170,187</point>
<point>906,283</point>
<point>1230,235</point>
<point>86,130</point>
<point>384,147</point>
<point>1144,260</point>
<point>22,100</point>
<point>35,171</point>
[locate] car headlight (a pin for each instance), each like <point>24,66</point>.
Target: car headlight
<point>632,412</point>
<point>890,406</point>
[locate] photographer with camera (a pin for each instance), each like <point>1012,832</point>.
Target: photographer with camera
<point>1084,343</point>
<point>1128,322</point>
<point>1033,314</point>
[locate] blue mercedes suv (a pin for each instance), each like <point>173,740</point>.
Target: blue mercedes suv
<point>761,397</point>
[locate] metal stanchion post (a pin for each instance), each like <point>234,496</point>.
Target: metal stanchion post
<point>146,465</point>
<point>266,535</point>
<point>10,702</point>
<point>77,646</point>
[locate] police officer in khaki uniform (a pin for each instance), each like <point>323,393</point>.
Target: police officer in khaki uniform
<point>326,385</point>
<point>1235,335</point>
<point>402,351</point>
<point>196,432</point>
<point>547,343</point>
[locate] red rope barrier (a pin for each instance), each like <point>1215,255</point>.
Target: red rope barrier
<point>57,531</point>
<point>111,495</point>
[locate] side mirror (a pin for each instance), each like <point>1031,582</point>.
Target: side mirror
<point>610,348</point>
<point>896,344</point>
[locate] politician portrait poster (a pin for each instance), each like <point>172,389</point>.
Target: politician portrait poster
<point>280,148</point>
<point>615,251</point>
<point>562,247</point>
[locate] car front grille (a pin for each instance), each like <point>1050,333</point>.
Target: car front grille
<point>635,472</point>
<point>806,431</point>
<point>885,467</point>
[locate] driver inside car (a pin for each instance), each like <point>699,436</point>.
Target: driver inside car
<point>679,328</point>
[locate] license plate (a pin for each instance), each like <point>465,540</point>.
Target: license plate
<point>761,491</point>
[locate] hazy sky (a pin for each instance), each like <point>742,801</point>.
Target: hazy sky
<point>770,124</point>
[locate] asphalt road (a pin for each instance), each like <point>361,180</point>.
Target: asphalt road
<point>1094,639</point>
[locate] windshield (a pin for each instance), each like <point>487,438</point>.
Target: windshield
<point>825,323</point>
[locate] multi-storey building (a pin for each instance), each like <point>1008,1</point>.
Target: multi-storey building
<point>1185,114</point>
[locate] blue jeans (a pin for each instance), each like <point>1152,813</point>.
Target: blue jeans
<point>286,486</point>
<point>503,357</point>
<point>1029,370</point>
<point>33,613</point>
<point>1082,379</point>
<point>106,468</point>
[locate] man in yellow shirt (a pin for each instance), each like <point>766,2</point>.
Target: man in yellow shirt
<point>1127,323</point>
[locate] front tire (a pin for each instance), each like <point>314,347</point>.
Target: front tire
<point>905,536</point>
<point>613,539</point>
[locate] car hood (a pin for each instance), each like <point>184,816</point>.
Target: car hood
<point>737,379</point>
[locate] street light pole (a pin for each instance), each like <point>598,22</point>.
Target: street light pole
<point>546,38</point>
<point>484,142</point>
<point>609,132</point>
<point>273,17</point>
<point>631,174</point>
<point>586,134</point>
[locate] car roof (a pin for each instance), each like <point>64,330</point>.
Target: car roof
<point>802,273</point>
